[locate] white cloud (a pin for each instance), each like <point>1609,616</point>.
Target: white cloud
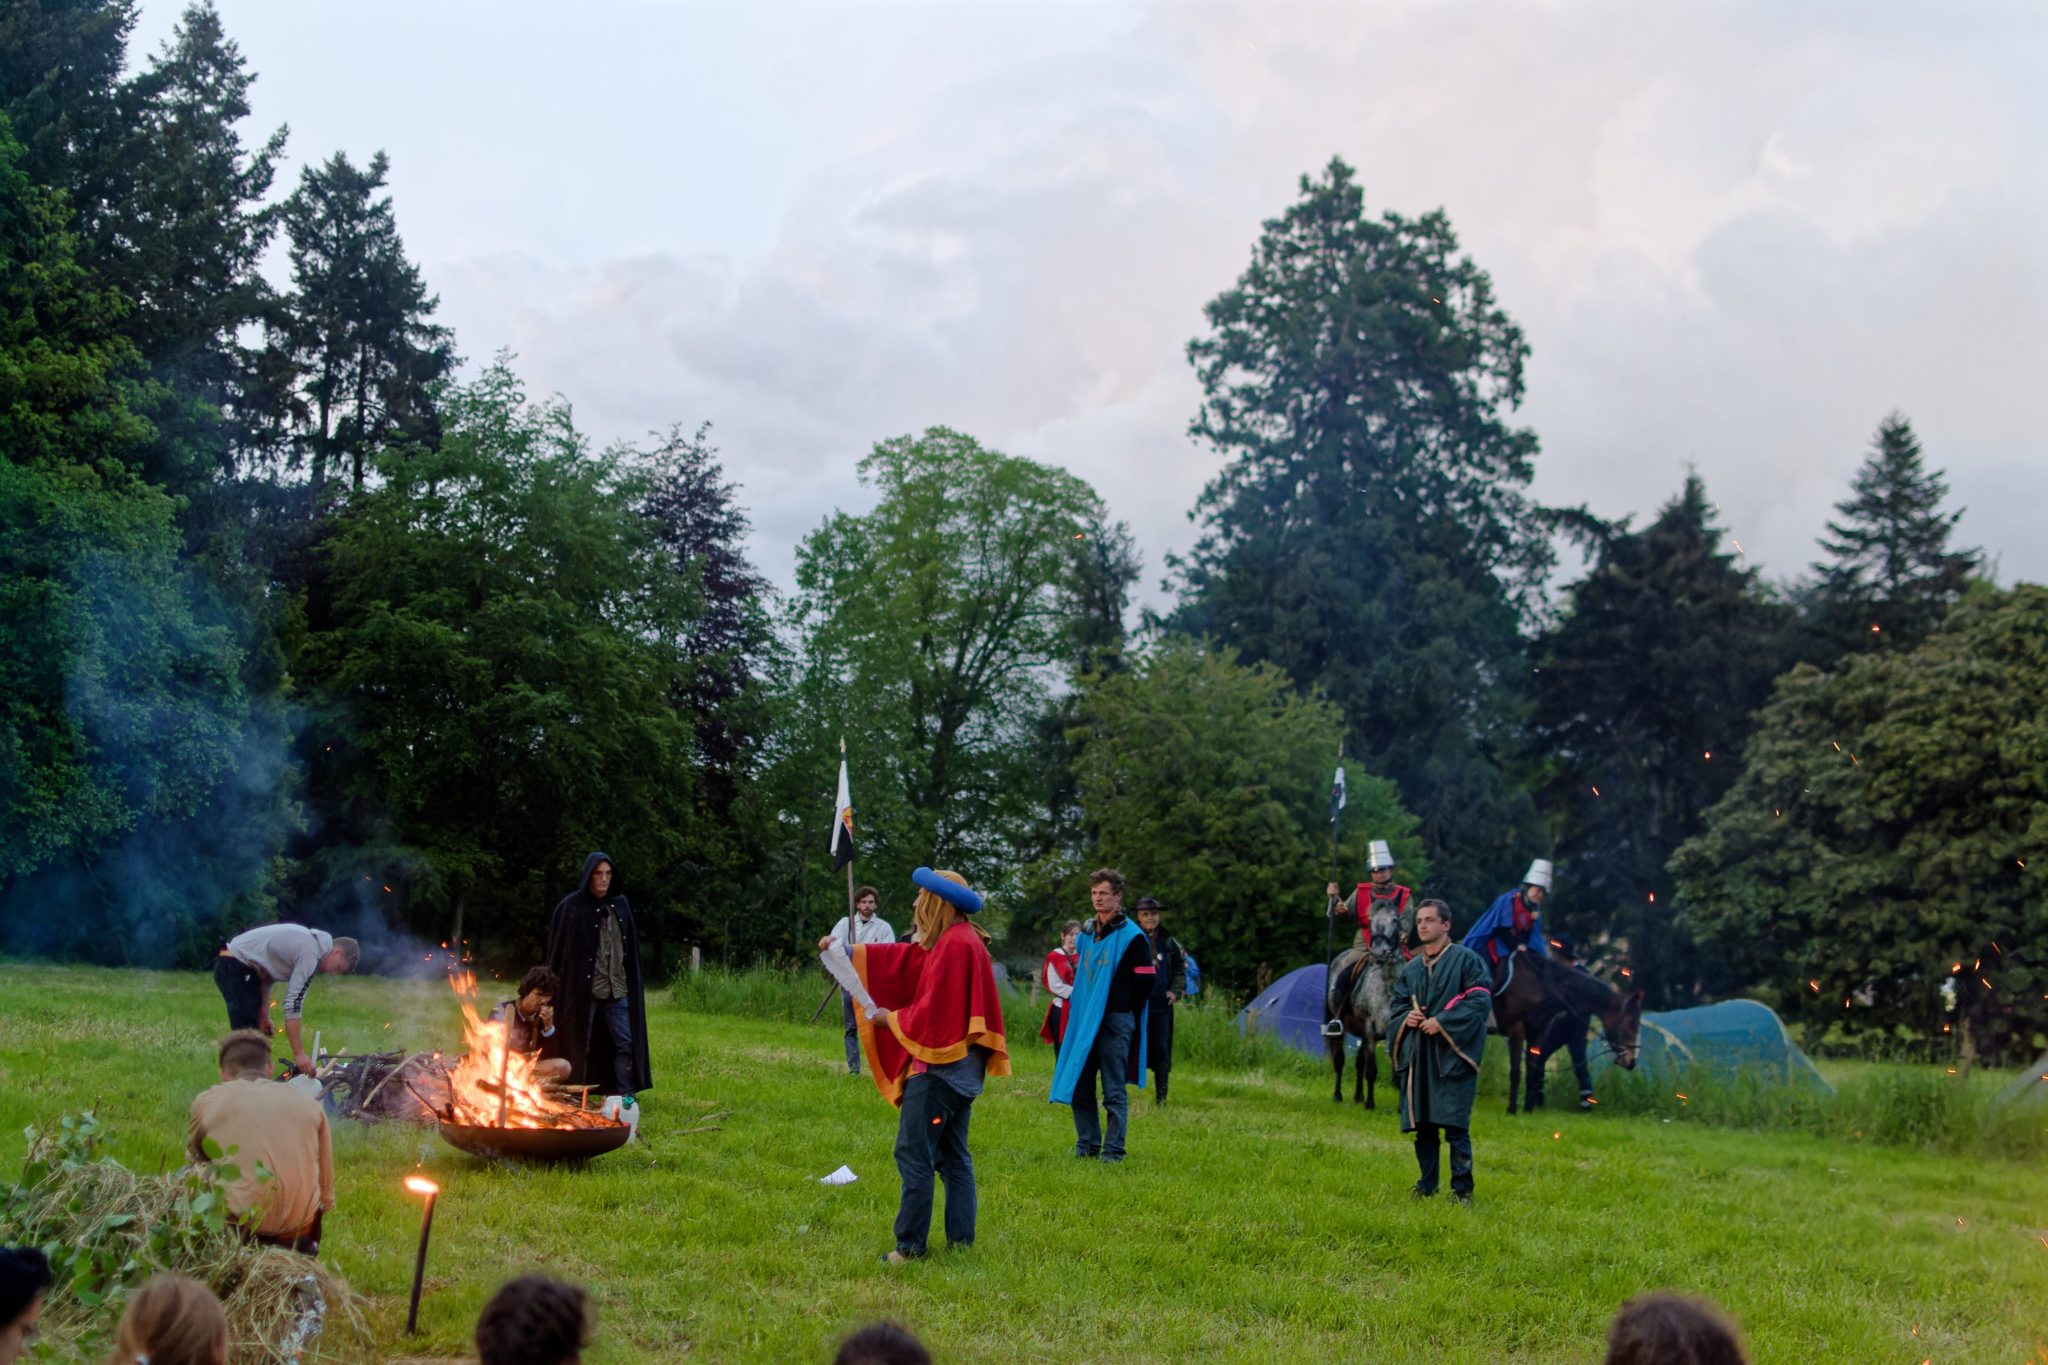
<point>1736,236</point>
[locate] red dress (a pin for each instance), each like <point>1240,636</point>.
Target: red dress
<point>1058,963</point>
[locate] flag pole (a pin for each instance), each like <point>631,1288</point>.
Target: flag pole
<point>852,927</point>
<point>1331,1025</point>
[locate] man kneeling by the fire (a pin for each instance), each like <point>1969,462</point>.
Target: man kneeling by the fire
<point>276,1139</point>
<point>939,1033</point>
<point>531,1018</point>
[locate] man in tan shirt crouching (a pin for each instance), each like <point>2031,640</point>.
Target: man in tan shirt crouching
<point>277,1140</point>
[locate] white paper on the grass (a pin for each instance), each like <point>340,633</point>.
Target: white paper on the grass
<point>843,1176</point>
<point>849,981</point>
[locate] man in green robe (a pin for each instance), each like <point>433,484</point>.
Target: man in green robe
<point>1443,1002</point>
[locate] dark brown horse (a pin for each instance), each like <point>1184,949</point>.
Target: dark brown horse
<point>1538,989</point>
<point>1360,996</point>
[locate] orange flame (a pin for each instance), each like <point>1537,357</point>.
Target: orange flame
<point>421,1185</point>
<point>476,1079</point>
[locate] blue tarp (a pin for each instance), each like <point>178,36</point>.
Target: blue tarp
<point>1735,1036</point>
<point>1292,1008</point>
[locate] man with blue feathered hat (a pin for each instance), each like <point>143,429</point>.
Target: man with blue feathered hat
<point>1106,1024</point>
<point>936,1036</point>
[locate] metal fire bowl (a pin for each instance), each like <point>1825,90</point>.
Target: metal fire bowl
<point>539,1144</point>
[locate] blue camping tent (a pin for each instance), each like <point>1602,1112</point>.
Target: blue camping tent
<point>1733,1037</point>
<point>1291,1008</point>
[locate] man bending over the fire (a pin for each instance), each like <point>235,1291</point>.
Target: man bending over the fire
<point>530,1019</point>
<point>249,964</point>
<point>276,1139</point>
<point>939,1035</point>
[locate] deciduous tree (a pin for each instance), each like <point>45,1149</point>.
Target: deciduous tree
<point>1206,781</point>
<point>495,694</point>
<point>1882,846</point>
<point>933,631</point>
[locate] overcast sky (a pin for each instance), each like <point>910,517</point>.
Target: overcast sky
<point>1736,236</point>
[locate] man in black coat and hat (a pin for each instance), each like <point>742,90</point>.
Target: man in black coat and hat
<point>601,1010</point>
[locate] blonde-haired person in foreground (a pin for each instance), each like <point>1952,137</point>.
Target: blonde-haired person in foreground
<point>172,1320</point>
<point>939,1033</point>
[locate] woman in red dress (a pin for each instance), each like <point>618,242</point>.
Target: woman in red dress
<point>1058,978</point>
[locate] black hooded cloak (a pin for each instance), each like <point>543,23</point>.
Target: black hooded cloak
<point>572,952</point>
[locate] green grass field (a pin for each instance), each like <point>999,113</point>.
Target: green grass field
<point>1256,1221</point>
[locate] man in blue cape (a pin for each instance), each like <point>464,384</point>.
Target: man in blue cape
<point>1105,1021</point>
<point>1515,920</point>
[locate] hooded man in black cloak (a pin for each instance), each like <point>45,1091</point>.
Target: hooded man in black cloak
<point>601,1011</point>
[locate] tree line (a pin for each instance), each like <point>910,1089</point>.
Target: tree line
<point>298,617</point>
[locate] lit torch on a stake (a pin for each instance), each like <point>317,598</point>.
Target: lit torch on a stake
<point>420,1185</point>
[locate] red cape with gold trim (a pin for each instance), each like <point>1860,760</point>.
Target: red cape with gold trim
<point>942,1002</point>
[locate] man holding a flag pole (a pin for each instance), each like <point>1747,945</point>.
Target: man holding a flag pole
<point>862,923</point>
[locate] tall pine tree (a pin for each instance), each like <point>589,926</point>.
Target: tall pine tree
<point>60,87</point>
<point>362,351</point>
<point>1643,698</point>
<point>181,234</point>
<point>1370,533</point>
<point>1890,574</point>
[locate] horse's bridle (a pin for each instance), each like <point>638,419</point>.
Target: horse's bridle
<point>1623,1056</point>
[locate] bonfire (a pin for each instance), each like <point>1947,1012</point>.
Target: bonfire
<point>496,1102</point>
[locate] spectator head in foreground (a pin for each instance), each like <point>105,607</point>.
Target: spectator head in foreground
<point>1672,1329</point>
<point>882,1343</point>
<point>24,1276</point>
<point>173,1320</point>
<point>534,1320</point>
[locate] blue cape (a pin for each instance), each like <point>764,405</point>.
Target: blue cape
<point>1500,917</point>
<point>1085,1008</point>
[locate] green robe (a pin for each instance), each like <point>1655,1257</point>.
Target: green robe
<point>1439,1075</point>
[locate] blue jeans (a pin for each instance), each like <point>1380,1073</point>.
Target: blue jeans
<point>852,1034</point>
<point>931,1136</point>
<point>615,1017</point>
<point>1427,1156</point>
<point>1110,1058</point>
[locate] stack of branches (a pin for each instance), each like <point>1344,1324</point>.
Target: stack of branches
<point>408,1086</point>
<point>107,1230</point>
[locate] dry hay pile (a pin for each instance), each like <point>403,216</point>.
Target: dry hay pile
<point>107,1230</point>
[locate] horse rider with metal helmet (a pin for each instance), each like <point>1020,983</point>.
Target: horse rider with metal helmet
<point>1514,920</point>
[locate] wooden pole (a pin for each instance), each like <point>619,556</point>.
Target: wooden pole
<point>419,1267</point>
<point>505,1065</point>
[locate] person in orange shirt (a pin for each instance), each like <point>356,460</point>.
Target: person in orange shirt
<point>276,1139</point>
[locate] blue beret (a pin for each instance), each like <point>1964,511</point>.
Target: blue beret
<point>946,889</point>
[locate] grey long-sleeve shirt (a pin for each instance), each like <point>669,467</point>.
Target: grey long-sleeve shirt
<point>289,953</point>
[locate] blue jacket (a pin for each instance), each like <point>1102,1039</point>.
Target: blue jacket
<point>1497,925</point>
